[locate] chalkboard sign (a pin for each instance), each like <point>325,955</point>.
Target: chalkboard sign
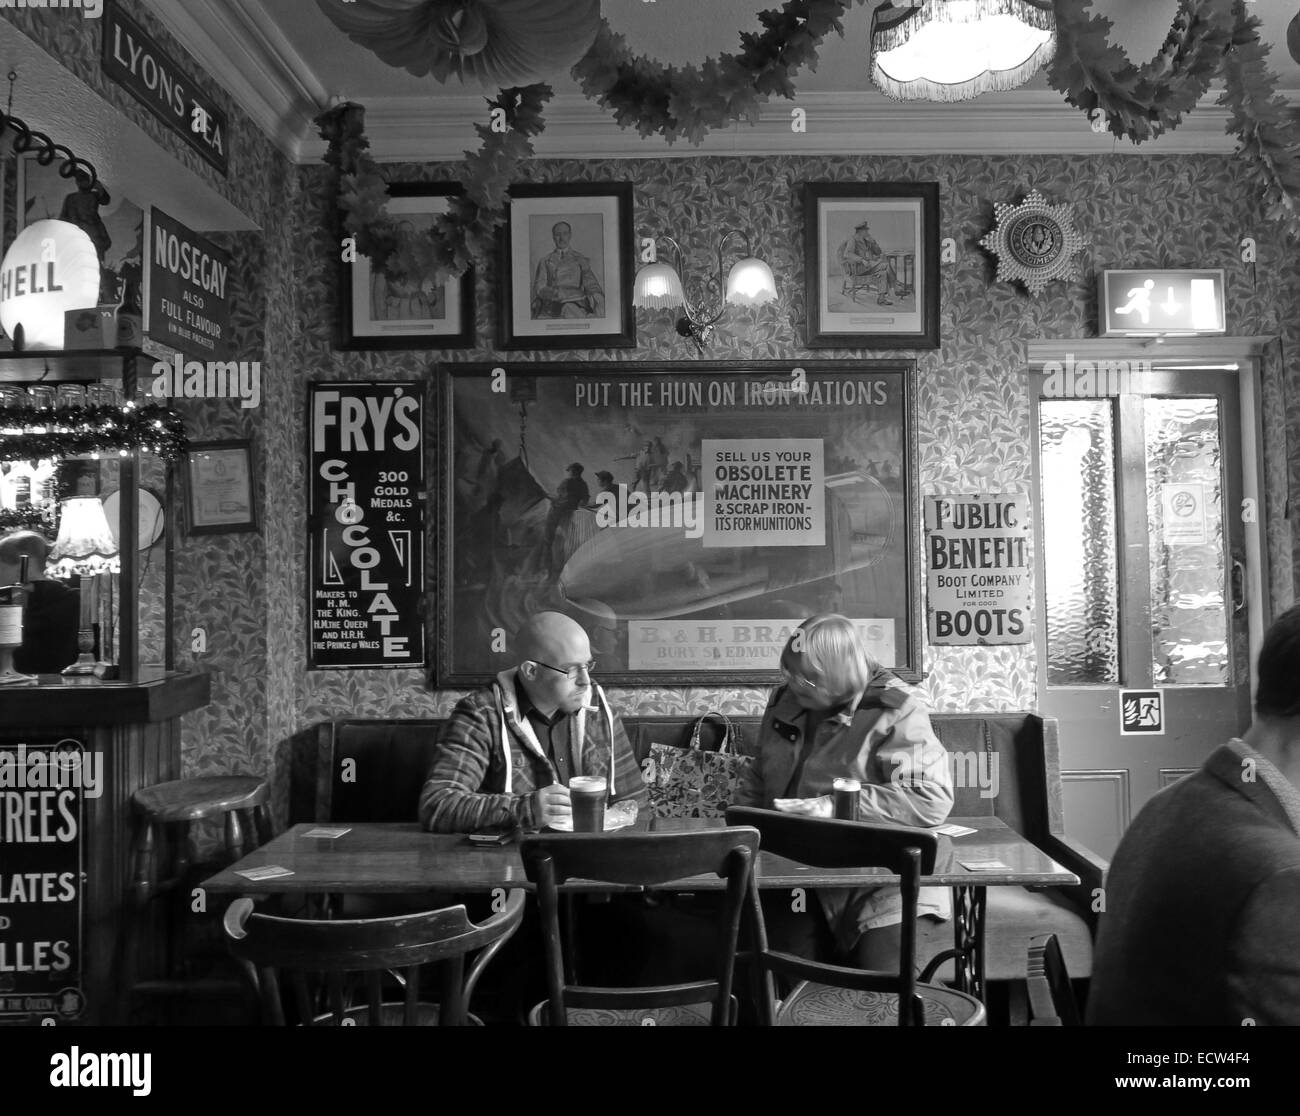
<point>42,788</point>
<point>366,525</point>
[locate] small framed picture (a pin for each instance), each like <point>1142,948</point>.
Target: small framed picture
<point>567,268</point>
<point>219,481</point>
<point>872,265</point>
<point>379,312</point>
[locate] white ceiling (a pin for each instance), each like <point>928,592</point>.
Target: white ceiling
<point>285,61</point>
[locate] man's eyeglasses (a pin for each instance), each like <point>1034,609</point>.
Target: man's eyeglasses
<point>572,673</point>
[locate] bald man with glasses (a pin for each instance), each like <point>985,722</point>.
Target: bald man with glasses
<point>505,757</point>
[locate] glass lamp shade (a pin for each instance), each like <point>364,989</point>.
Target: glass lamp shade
<point>658,287</point>
<point>85,544</point>
<point>750,283</point>
<point>953,50</point>
<point>50,268</point>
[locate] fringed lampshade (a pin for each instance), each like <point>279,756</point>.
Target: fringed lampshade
<point>85,544</point>
<point>494,42</point>
<point>953,50</point>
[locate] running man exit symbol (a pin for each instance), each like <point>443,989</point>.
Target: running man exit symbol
<point>1142,713</point>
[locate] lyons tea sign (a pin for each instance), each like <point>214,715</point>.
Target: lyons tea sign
<point>137,63</point>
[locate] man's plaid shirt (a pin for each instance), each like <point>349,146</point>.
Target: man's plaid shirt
<point>488,762</point>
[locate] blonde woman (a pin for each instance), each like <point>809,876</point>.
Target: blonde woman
<point>841,714</point>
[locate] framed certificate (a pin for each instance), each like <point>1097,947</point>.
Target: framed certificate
<point>219,478</point>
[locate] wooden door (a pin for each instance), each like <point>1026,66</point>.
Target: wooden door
<point>1141,581</point>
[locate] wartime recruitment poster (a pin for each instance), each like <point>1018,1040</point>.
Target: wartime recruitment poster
<point>366,525</point>
<point>688,516</point>
<point>977,557</point>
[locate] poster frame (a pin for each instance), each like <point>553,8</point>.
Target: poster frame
<point>449,661</point>
<point>878,200</point>
<point>242,447</point>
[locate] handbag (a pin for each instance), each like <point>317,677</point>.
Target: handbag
<point>692,783</point>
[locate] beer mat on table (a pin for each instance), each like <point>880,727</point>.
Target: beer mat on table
<point>268,872</point>
<point>984,865</point>
<point>617,821</point>
<point>949,830</point>
<point>330,831</point>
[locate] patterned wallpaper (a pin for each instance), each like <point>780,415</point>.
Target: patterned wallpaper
<point>974,428</point>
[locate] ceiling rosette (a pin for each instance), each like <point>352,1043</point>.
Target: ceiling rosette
<point>492,42</point>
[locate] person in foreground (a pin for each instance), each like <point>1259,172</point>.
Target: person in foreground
<point>840,714</point>
<point>1202,916</point>
<point>505,756</point>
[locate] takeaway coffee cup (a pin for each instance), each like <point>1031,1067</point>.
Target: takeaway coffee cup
<point>587,797</point>
<point>846,799</point>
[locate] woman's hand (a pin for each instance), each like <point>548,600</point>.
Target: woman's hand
<point>822,807</point>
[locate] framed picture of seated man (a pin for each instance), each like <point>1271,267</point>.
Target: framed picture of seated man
<point>871,262</point>
<point>566,268</point>
<point>688,515</point>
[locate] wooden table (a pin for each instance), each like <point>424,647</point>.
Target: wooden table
<point>402,858</point>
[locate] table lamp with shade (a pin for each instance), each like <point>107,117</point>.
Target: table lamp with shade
<point>85,547</point>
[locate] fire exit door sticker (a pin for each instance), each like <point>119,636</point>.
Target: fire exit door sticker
<point>1141,713</point>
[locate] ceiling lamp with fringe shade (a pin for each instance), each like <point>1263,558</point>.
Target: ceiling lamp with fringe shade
<point>953,50</point>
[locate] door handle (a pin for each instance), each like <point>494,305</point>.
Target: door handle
<point>1238,587</point>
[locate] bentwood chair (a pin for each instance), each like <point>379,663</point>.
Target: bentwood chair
<point>1051,999</point>
<point>370,947</point>
<point>833,995</point>
<point>640,860</point>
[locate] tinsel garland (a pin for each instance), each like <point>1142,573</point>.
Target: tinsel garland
<point>1207,38</point>
<point>1268,127</point>
<point>444,250</point>
<point>48,432</point>
<point>28,519</point>
<point>693,100</point>
<point>1140,102</point>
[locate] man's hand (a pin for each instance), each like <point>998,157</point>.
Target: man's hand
<point>822,807</point>
<point>551,805</point>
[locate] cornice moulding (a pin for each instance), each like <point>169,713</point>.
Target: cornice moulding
<point>240,46</point>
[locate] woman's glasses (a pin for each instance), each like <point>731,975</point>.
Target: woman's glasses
<point>572,673</point>
<point>798,681</point>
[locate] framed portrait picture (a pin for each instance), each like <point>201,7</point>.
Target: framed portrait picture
<point>566,270</point>
<point>871,254</point>
<point>383,313</point>
<point>689,516</point>
<point>219,485</point>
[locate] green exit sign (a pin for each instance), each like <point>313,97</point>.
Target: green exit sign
<point>1154,303</point>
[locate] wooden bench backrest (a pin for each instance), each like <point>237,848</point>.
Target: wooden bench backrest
<point>372,770</point>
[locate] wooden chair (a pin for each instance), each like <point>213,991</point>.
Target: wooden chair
<point>1051,999</point>
<point>833,995</point>
<point>161,869</point>
<point>644,860</point>
<point>266,944</point>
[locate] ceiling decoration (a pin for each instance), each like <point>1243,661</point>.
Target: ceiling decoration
<point>1208,38</point>
<point>953,50</point>
<point>494,42</point>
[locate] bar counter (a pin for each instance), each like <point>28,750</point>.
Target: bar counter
<point>65,862</point>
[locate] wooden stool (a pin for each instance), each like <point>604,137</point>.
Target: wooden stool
<point>241,800</point>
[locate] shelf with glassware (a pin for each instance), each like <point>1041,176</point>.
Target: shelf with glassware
<point>71,419</point>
